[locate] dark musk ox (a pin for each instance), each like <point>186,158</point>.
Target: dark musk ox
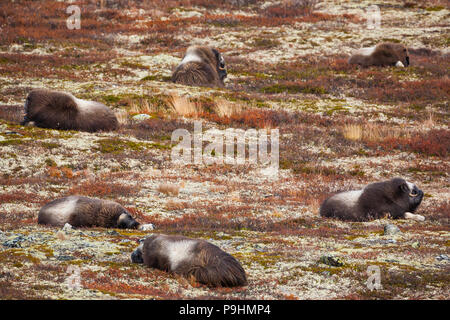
<point>396,197</point>
<point>201,66</point>
<point>191,258</point>
<point>81,211</point>
<point>60,110</point>
<point>382,55</point>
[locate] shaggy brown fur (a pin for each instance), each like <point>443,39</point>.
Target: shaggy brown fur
<point>384,54</point>
<point>59,110</point>
<point>86,212</point>
<point>396,197</point>
<point>201,260</point>
<point>201,66</point>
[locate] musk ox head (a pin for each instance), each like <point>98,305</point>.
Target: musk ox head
<point>220,65</point>
<point>390,54</point>
<point>406,194</point>
<point>401,53</point>
<point>136,256</point>
<point>126,221</point>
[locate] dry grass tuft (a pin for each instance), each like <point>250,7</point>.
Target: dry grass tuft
<point>122,117</point>
<point>372,132</point>
<point>169,189</point>
<point>352,132</point>
<point>183,106</point>
<point>225,108</point>
<point>142,107</point>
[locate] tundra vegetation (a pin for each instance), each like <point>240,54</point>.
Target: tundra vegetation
<point>341,127</point>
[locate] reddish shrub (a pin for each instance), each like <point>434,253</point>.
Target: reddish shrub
<point>102,189</point>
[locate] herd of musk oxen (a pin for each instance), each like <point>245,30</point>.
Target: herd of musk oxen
<point>194,258</point>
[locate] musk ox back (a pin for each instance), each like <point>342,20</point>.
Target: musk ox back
<point>396,197</point>
<point>201,260</point>
<point>201,66</point>
<point>60,110</point>
<point>81,211</point>
<point>384,54</point>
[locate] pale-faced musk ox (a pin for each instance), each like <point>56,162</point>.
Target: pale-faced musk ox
<point>396,197</point>
<point>81,211</point>
<point>60,110</point>
<point>201,66</point>
<point>191,258</point>
<point>383,54</point>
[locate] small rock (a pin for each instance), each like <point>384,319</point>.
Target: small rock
<point>67,227</point>
<point>443,257</point>
<point>381,241</point>
<point>141,117</point>
<point>112,233</point>
<point>65,258</point>
<point>331,261</point>
<point>147,227</point>
<point>391,229</point>
<point>260,248</point>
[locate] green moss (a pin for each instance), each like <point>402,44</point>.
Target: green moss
<point>357,173</point>
<point>11,142</point>
<point>356,236</point>
<point>48,252</point>
<point>71,67</point>
<point>50,145</point>
<point>265,259</point>
<point>50,162</point>
<point>111,99</point>
<point>116,146</point>
<point>150,78</point>
<point>133,65</point>
<point>435,8</point>
<point>294,88</point>
<point>391,40</point>
<point>265,43</point>
<point>41,287</point>
<point>435,173</point>
<point>335,109</point>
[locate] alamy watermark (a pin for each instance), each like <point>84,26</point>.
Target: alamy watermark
<point>373,17</point>
<point>250,146</point>
<point>374,280</point>
<point>73,22</point>
<point>73,281</point>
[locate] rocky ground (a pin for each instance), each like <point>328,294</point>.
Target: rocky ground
<point>340,128</point>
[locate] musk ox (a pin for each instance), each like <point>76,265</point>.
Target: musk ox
<point>81,211</point>
<point>383,54</point>
<point>60,110</point>
<point>201,66</point>
<point>396,197</point>
<point>191,258</point>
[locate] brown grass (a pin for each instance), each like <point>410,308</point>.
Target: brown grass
<point>373,132</point>
<point>169,189</point>
<point>183,106</point>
